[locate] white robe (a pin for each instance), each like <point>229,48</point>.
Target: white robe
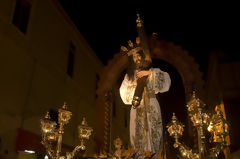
<point>146,121</point>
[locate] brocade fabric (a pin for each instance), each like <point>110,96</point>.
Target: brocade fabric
<point>146,121</point>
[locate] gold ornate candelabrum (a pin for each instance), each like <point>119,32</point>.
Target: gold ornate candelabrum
<point>175,129</point>
<point>219,129</point>
<point>52,134</point>
<point>216,124</point>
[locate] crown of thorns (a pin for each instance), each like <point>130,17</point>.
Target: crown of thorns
<point>132,48</point>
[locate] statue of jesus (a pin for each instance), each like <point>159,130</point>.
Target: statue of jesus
<point>146,129</point>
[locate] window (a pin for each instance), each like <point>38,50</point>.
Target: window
<point>21,14</point>
<point>71,56</point>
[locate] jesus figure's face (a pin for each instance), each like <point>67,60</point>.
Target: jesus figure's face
<point>137,58</point>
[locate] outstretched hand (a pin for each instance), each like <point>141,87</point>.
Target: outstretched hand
<point>143,73</point>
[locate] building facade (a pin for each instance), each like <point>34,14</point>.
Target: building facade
<point>223,86</point>
<point>44,62</point>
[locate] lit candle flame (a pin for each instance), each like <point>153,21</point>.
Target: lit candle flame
<point>210,127</point>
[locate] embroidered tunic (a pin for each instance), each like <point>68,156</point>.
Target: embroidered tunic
<point>146,121</point>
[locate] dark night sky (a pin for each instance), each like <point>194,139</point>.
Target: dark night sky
<point>197,29</point>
